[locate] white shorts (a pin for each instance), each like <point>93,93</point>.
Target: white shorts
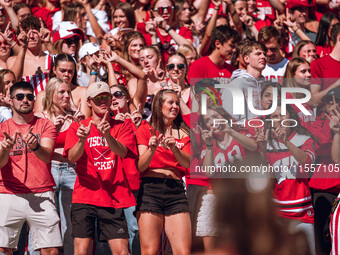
<point>206,223</point>
<point>38,210</point>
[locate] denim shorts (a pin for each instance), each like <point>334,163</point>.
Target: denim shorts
<point>162,195</point>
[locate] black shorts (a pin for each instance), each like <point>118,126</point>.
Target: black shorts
<point>162,195</point>
<point>111,223</point>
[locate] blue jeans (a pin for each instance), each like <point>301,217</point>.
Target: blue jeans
<point>65,177</point>
<point>133,230</point>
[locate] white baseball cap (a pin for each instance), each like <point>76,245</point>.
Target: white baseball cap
<point>88,48</point>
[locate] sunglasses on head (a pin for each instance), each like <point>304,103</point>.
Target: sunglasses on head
<point>98,99</point>
<point>71,40</point>
<point>21,96</point>
<point>172,66</point>
<point>118,94</point>
<point>162,9</point>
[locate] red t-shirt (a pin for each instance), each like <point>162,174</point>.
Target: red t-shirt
<point>325,71</point>
<point>323,50</point>
<point>24,172</point>
<point>265,12</point>
<point>100,177</point>
<point>130,169</point>
<point>163,158</point>
<point>205,68</point>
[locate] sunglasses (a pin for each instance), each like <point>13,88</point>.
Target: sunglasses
<point>4,44</point>
<point>2,11</point>
<point>21,96</point>
<point>118,94</point>
<point>172,66</point>
<point>98,99</point>
<point>72,40</point>
<point>162,9</point>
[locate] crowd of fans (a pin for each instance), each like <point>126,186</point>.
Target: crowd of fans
<point>109,108</point>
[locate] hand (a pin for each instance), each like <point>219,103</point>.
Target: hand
<point>30,139</point>
<point>206,135</point>
<point>169,141</point>
<point>216,3</point>
<point>4,99</point>
<point>99,60</point>
<point>150,27</point>
<point>261,138</point>
<point>135,116</point>
<point>334,123</point>
<point>22,37</point>
<point>8,35</point>
<point>154,140</point>
<point>334,109</point>
<point>231,21</point>
<point>111,57</point>
<point>120,116</point>
<point>60,120</point>
<point>290,22</point>
<point>78,115</point>
<point>104,126</point>
<point>45,34</point>
<point>278,22</point>
<point>159,21</point>
<point>177,88</point>
<point>6,3</point>
<point>280,134</point>
<point>83,132</point>
<point>9,141</point>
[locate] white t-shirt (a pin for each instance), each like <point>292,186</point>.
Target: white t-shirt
<point>275,72</point>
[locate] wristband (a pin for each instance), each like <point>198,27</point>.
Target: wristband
<point>36,148</point>
<point>217,8</point>
<point>93,73</point>
<point>296,30</point>
<point>13,45</point>
<point>155,44</point>
<point>168,30</point>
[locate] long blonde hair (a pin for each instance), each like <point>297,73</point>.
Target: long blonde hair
<point>47,101</point>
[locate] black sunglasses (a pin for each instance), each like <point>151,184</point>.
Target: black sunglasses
<point>172,66</point>
<point>21,96</point>
<point>162,9</point>
<point>71,40</point>
<point>118,94</point>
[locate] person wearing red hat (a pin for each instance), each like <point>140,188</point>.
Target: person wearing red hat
<point>298,12</point>
<point>68,41</point>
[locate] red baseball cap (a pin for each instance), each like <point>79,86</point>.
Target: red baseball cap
<point>68,29</point>
<point>299,3</point>
<point>64,34</point>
